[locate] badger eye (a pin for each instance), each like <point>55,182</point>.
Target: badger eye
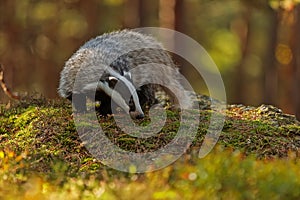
<point>112,81</point>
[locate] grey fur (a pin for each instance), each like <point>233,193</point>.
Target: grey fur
<point>122,51</point>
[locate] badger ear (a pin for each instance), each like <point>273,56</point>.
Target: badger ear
<point>112,81</point>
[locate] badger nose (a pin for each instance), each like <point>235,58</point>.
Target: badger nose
<point>137,115</point>
<point>140,116</point>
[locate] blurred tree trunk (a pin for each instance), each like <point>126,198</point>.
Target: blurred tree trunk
<point>167,13</point>
<point>179,17</point>
<point>15,54</point>
<point>244,33</point>
<point>144,12</point>
<point>172,16</point>
<point>179,25</point>
<point>297,63</point>
<point>140,13</point>
<point>270,64</point>
<point>93,15</point>
<point>132,11</point>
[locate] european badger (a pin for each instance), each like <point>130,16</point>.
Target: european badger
<point>107,60</point>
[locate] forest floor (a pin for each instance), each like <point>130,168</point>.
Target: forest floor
<point>42,156</point>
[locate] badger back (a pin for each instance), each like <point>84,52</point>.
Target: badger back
<point>121,50</point>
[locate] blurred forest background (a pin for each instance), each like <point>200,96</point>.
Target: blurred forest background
<point>255,43</point>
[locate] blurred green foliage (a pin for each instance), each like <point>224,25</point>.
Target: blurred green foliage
<point>223,174</point>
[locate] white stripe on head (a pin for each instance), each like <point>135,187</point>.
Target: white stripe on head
<point>131,88</point>
<point>112,78</point>
<point>116,97</point>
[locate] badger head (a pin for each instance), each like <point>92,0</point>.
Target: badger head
<point>124,96</point>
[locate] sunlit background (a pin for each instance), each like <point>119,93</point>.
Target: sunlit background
<point>255,43</point>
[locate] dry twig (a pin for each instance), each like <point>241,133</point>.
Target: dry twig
<point>4,87</point>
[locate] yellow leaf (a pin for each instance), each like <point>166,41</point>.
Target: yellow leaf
<point>2,154</point>
<point>11,154</point>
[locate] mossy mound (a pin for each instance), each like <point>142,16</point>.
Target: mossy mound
<point>40,147</point>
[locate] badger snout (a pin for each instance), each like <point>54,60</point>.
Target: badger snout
<point>136,115</point>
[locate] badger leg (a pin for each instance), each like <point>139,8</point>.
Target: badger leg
<point>79,102</point>
<point>105,105</point>
<point>147,96</point>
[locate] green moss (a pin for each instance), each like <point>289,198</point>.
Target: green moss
<point>41,148</point>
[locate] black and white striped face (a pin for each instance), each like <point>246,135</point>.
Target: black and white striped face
<point>124,90</point>
<point>119,87</point>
